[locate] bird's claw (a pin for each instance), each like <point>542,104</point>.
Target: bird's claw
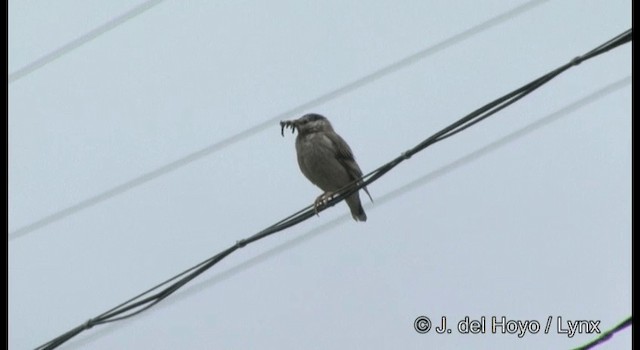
<point>287,124</point>
<point>322,201</point>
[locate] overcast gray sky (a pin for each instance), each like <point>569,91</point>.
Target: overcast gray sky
<point>526,215</point>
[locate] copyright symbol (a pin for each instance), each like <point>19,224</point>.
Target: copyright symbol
<point>422,324</point>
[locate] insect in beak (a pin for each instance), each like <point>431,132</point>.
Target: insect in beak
<point>287,124</point>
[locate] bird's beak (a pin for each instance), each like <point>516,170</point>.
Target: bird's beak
<point>293,124</point>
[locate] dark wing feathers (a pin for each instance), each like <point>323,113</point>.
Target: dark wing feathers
<point>345,157</point>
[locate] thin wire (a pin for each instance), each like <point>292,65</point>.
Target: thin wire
<point>83,39</point>
<point>309,211</point>
<point>606,335</point>
<point>388,197</point>
<point>345,89</point>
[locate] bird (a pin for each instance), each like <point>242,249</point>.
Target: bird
<point>326,160</point>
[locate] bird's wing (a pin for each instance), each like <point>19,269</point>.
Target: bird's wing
<point>345,157</point>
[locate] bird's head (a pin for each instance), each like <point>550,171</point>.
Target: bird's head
<point>307,124</point>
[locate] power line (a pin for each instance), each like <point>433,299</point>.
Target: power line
<point>83,39</point>
<point>388,197</point>
<point>606,335</point>
<point>345,89</point>
<point>141,303</point>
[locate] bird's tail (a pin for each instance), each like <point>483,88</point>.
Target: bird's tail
<point>356,208</point>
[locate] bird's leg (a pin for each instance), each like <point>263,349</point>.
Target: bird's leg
<point>322,200</point>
